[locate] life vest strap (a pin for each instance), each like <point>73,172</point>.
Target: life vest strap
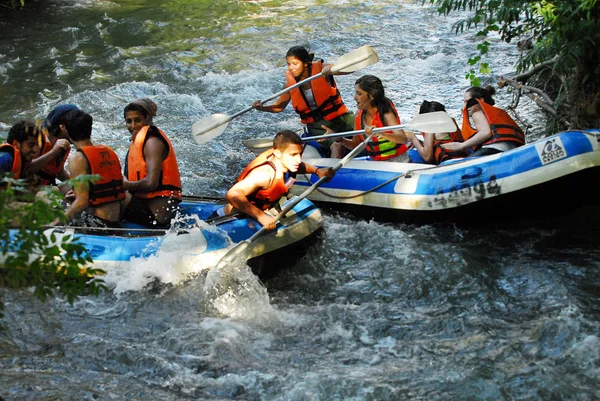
<point>322,111</point>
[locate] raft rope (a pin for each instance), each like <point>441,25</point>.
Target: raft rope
<point>375,188</point>
<point>406,174</point>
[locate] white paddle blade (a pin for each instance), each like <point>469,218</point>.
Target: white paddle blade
<point>258,145</point>
<point>355,60</point>
<point>209,128</point>
<point>438,121</point>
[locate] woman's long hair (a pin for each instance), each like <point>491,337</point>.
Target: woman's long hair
<point>374,87</point>
<point>483,93</point>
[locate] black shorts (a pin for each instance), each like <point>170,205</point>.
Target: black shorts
<point>139,212</point>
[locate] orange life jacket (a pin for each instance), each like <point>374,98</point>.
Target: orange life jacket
<point>327,97</point>
<point>380,148</point>
<point>17,167</point>
<point>264,198</point>
<point>103,161</point>
<point>169,184</point>
<point>440,154</point>
<point>48,173</point>
<point>504,128</point>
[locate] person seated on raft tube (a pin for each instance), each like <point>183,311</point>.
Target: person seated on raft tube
<point>318,102</point>
<point>97,204</point>
<point>375,110</point>
<point>430,150</point>
<point>152,177</point>
<point>263,182</point>
<point>55,148</point>
<point>21,147</point>
<point>495,131</point>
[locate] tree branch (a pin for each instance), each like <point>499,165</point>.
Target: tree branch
<point>538,96</point>
<point>527,74</point>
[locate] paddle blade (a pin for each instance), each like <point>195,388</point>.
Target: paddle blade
<point>438,121</point>
<point>258,145</point>
<point>209,128</point>
<point>355,60</point>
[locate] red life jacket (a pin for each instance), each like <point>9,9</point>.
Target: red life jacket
<point>380,148</point>
<point>103,161</point>
<point>17,167</point>
<point>264,198</point>
<point>49,172</point>
<point>440,154</point>
<point>169,184</point>
<point>327,97</point>
<point>504,128</point>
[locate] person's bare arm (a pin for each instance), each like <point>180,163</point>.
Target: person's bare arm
<point>424,148</point>
<point>237,196</point>
<point>79,166</point>
<point>155,151</point>
<point>484,133</point>
<point>277,107</point>
<point>61,146</point>
<point>396,135</point>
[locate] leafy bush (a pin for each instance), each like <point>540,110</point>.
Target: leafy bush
<point>31,257</point>
<point>567,31</point>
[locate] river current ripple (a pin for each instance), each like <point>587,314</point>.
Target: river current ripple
<point>374,311</point>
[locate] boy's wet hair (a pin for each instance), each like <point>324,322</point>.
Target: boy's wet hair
<point>79,125</point>
<point>23,130</point>
<point>285,138</point>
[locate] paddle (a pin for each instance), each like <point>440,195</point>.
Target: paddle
<point>236,251</point>
<point>211,127</point>
<point>438,121</point>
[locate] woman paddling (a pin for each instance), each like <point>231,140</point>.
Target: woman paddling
<point>318,102</point>
<point>375,110</point>
<point>495,131</point>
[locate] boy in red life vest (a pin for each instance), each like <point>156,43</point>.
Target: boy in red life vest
<point>263,182</point>
<point>55,148</point>
<point>22,145</point>
<point>99,203</point>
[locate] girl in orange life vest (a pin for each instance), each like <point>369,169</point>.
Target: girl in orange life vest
<point>55,148</point>
<point>430,149</point>
<point>151,172</point>
<point>318,102</point>
<point>263,182</point>
<point>376,110</point>
<point>21,147</point>
<point>99,203</point>
<point>495,131</point>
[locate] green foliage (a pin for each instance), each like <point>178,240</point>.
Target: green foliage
<point>569,29</point>
<point>32,258</point>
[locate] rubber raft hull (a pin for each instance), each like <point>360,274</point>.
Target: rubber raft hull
<point>549,177</point>
<point>199,246</point>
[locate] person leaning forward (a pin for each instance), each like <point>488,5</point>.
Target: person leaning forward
<point>319,102</point>
<point>55,148</point>
<point>151,172</point>
<point>264,182</point>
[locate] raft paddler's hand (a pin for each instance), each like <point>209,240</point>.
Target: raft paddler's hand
<point>70,196</point>
<point>267,221</point>
<point>328,131</point>
<point>326,70</point>
<point>257,105</point>
<point>325,172</point>
<point>454,146</point>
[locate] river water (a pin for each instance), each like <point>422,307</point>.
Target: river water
<point>373,311</point>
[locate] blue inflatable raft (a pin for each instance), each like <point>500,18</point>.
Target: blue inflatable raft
<point>545,178</point>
